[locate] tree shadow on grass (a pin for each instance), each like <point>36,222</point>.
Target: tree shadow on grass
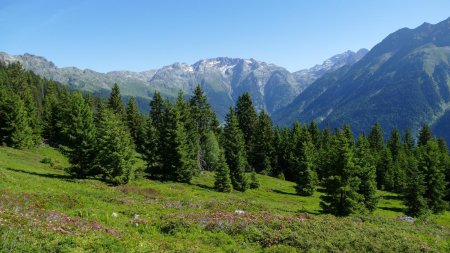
<point>283,192</point>
<point>392,197</point>
<point>393,209</point>
<point>204,186</point>
<point>47,175</point>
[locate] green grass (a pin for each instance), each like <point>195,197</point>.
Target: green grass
<point>43,210</point>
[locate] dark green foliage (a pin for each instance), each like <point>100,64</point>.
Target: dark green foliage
<point>115,101</point>
<point>430,164</point>
<point>189,125</point>
<point>202,120</point>
<point>254,183</point>
<point>211,152</point>
<point>263,139</point>
<point>400,169</point>
<point>201,112</point>
<point>394,143</point>
<point>79,135</point>
<point>342,186</point>
<point>222,182</point>
<point>177,163</point>
<point>135,124</point>
<point>248,123</point>
<point>445,160</point>
<point>151,150</point>
<point>408,142</point>
<point>376,138</point>
<point>383,156</point>
<point>385,170</point>
<point>316,135</point>
<point>414,194</point>
<point>153,137</point>
<point>424,135</point>
<point>234,147</point>
<point>52,117</point>
<point>15,130</point>
<point>114,149</point>
<point>367,173</point>
<point>157,111</point>
<point>277,154</point>
<point>302,161</point>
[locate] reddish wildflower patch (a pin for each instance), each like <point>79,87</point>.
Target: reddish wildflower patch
<point>25,212</point>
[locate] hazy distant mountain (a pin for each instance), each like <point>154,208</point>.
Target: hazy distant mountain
<point>402,82</point>
<point>223,79</point>
<point>308,76</point>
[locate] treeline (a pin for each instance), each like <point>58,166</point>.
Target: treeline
<point>179,139</point>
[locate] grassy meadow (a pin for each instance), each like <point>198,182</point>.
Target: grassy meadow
<point>43,210</point>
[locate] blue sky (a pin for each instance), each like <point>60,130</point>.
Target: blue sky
<point>140,35</point>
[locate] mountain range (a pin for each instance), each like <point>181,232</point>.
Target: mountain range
<point>403,82</point>
<point>223,79</point>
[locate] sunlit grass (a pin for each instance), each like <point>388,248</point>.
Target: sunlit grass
<point>148,215</point>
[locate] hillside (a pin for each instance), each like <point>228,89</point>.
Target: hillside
<point>42,209</point>
<point>403,82</point>
<point>223,79</point>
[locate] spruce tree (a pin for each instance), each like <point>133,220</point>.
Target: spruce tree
<point>263,140</point>
<point>408,142</point>
<point>385,170</point>
<point>211,152</point>
<point>400,169</point>
<point>136,123</point>
<point>194,154</point>
<point>51,117</point>
<point>153,142</point>
<point>152,150</point>
<point>234,147</point>
<point>302,162</point>
<point>394,143</point>
<point>177,163</point>
<point>19,81</point>
<point>445,160</point>
<point>115,101</point>
<point>79,134</point>
<point>376,138</point>
<point>325,154</point>
<point>277,145</point>
<point>157,111</point>
<point>114,149</point>
<point>201,113</point>
<point>202,121</point>
<point>341,187</point>
<point>15,130</point>
<point>367,173</point>
<point>222,182</point>
<point>416,204</point>
<point>424,135</point>
<point>316,135</point>
<point>430,164</point>
<point>248,122</point>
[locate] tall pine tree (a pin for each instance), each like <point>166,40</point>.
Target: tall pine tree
<point>263,150</point>
<point>234,147</point>
<point>342,186</point>
<point>114,148</point>
<point>248,122</point>
<point>115,101</point>
<point>79,135</point>
<point>222,182</point>
<point>135,124</point>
